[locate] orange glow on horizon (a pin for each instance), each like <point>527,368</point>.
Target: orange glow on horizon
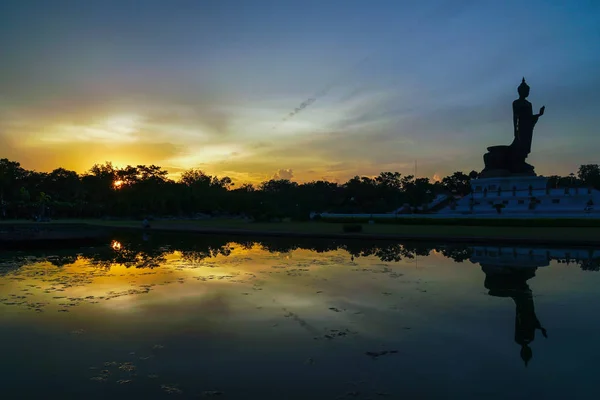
<point>117,184</point>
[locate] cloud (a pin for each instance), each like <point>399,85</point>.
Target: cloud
<point>284,174</point>
<point>440,102</point>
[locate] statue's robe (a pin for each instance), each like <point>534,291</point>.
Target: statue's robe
<point>525,122</point>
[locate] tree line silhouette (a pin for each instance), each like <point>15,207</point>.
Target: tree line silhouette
<point>139,191</point>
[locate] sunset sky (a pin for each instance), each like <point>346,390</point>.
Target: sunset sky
<point>206,84</point>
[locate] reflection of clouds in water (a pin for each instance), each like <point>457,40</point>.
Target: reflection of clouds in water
<point>229,305</point>
<point>210,283</point>
<point>240,280</point>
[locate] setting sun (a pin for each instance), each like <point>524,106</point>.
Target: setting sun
<point>117,184</point>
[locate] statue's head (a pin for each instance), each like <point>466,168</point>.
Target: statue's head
<point>526,354</point>
<point>523,89</point>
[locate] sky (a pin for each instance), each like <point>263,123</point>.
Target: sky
<point>211,84</point>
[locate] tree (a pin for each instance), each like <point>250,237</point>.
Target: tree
<point>205,192</point>
<point>556,181</point>
<point>24,195</point>
<point>419,191</point>
<point>317,196</point>
<point>196,177</point>
<point>43,202</point>
<point>458,183</point>
<point>590,175</point>
<point>128,176</point>
<point>361,194</point>
<point>151,173</point>
<point>98,188</point>
<point>62,185</point>
<point>11,175</point>
<point>390,180</point>
<point>143,190</point>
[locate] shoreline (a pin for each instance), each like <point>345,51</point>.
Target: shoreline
<point>474,240</point>
<point>82,232</point>
<point>34,235</point>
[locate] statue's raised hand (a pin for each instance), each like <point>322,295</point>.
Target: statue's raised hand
<point>542,110</point>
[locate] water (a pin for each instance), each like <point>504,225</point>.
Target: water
<point>210,317</point>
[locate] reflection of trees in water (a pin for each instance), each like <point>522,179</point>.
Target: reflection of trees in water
<point>62,260</point>
<point>10,262</point>
<point>195,256</point>
<point>590,264</point>
<point>139,254</point>
<point>457,253</point>
<point>388,253</point>
<point>286,245</point>
<point>150,251</point>
<point>503,277</point>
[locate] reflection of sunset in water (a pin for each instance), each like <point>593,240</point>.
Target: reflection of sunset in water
<point>83,282</point>
<point>291,276</point>
<point>219,306</point>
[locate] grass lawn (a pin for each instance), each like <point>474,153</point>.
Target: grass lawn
<point>572,235</point>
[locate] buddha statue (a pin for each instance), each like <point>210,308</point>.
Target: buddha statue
<point>506,160</point>
<point>523,121</point>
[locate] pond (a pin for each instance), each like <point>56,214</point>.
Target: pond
<point>195,316</point>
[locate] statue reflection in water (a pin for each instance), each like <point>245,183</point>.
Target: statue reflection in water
<point>512,282</point>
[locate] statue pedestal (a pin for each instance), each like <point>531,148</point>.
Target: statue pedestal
<point>524,195</point>
<point>505,161</point>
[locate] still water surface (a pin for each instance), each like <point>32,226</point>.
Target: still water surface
<point>210,317</point>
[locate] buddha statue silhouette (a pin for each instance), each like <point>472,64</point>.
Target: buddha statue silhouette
<point>506,160</point>
<point>507,282</point>
<point>523,121</point>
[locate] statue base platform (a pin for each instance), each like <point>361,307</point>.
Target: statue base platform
<point>505,161</point>
<point>524,195</point>
<point>521,184</point>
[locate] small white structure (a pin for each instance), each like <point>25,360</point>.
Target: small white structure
<point>524,195</point>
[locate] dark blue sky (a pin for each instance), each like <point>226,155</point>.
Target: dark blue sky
<point>202,84</point>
